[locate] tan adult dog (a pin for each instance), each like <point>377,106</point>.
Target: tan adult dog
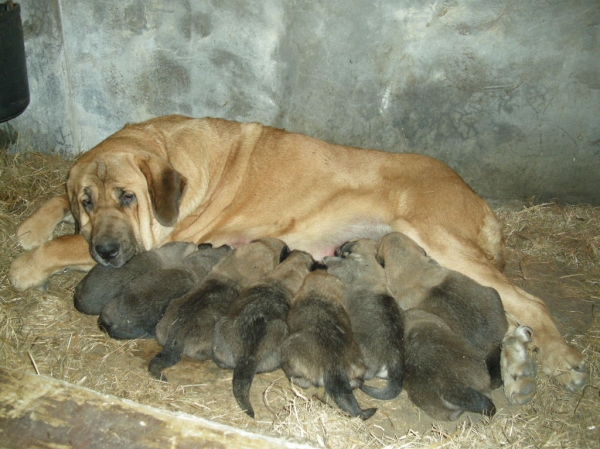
<point>211,180</point>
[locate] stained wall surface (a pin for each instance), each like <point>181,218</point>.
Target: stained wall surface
<point>507,93</point>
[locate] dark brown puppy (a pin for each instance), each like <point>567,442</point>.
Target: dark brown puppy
<point>471,312</point>
<point>135,312</point>
<point>377,321</point>
<point>444,376</point>
<point>320,349</point>
<point>248,339</point>
<point>103,283</point>
<point>188,324</point>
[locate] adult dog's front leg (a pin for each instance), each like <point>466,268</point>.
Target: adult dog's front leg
<point>39,227</point>
<point>34,267</point>
<point>556,357</point>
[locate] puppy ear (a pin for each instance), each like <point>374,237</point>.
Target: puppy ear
<point>285,252</point>
<point>166,186</point>
<point>318,265</point>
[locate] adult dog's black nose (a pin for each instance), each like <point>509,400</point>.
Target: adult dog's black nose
<point>107,251</point>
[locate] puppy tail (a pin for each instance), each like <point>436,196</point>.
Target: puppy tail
<point>243,374</point>
<point>170,355</point>
<point>338,387</point>
<point>254,330</point>
<point>471,400</point>
<point>394,384</point>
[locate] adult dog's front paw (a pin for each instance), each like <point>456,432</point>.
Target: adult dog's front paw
<point>25,272</point>
<point>31,235</point>
<point>40,226</point>
<point>566,364</point>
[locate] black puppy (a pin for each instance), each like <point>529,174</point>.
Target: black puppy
<point>188,324</point>
<point>248,339</point>
<point>135,312</point>
<point>377,321</point>
<point>320,349</point>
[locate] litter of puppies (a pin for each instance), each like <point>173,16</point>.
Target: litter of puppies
<point>377,309</point>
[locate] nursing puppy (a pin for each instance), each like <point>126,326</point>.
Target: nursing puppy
<point>320,349</point>
<point>135,312</point>
<point>248,339</point>
<point>444,376</point>
<point>188,324</point>
<point>103,283</point>
<point>471,310</point>
<point>377,321</point>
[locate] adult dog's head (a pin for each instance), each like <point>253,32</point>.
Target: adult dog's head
<point>124,198</point>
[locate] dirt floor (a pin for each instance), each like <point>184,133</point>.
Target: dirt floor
<point>553,253</point>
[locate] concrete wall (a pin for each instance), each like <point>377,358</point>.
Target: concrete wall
<point>507,93</point>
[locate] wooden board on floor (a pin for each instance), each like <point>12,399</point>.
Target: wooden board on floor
<point>41,412</point>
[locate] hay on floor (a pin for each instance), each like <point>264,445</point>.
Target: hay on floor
<point>42,333</point>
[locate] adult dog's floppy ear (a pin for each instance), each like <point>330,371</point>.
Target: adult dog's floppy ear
<point>166,186</point>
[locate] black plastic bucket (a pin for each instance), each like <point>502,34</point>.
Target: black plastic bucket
<point>14,87</point>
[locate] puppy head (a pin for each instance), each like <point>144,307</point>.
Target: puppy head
<point>202,261</point>
<point>250,262</point>
<point>173,253</point>
<point>320,283</point>
<point>402,252</point>
<point>136,311</point>
<point>356,265</point>
<point>292,270</point>
<point>364,247</point>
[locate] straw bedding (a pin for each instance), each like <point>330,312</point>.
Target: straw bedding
<point>553,251</point>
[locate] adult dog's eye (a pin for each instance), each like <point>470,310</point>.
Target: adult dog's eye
<point>87,204</point>
<point>127,199</point>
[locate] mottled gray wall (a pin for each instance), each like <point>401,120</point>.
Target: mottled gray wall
<point>506,92</point>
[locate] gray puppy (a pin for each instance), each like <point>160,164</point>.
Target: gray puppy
<point>444,375</point>
<point>460,323</point>
<point>377,321</point>
<point>103,283</point>
<point>135,312</point>
<point>188,324</point>
<point>248,339</point>
<point>320,349</point>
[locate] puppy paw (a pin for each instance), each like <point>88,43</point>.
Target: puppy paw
<point>26,273</point>
<point>518,368</point>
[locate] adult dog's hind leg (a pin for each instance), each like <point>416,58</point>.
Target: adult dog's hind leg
<point>33,268</point>
<point>518,369</point>
<point>39,227</point>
